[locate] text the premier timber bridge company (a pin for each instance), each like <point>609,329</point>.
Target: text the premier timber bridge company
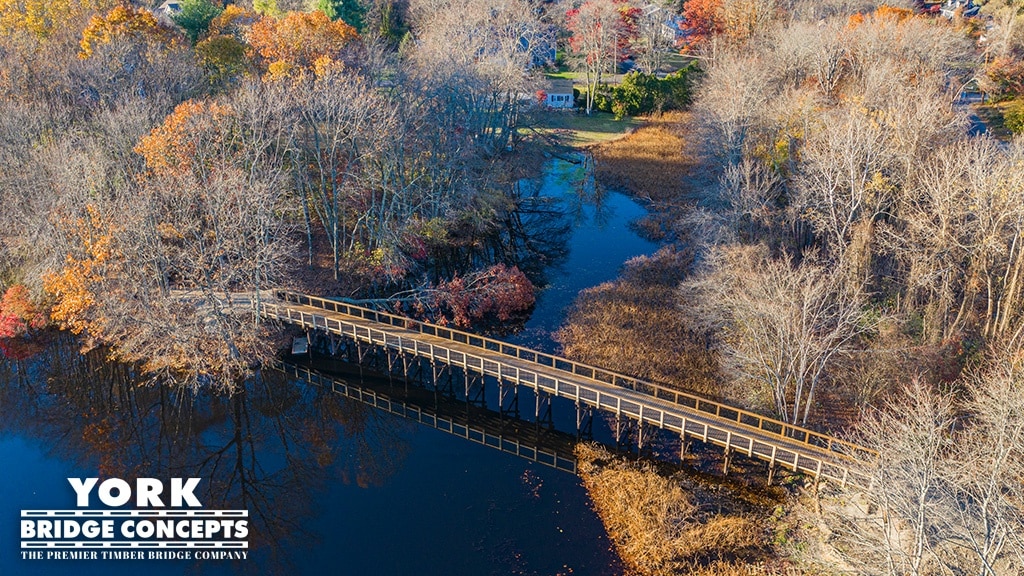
<point>164,524</point>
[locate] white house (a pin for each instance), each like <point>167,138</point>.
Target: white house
<point>559,94</point>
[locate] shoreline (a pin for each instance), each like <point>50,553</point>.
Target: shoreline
<point>616,324</point>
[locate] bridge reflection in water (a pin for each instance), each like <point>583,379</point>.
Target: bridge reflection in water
<point>410,348</point>
<point>532,440</point>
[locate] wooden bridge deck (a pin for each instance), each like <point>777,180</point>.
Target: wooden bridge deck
<point>734,429</point>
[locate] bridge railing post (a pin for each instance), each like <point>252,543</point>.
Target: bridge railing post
<point>296,315</point>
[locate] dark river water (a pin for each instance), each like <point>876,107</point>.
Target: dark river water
<point>332,485</point>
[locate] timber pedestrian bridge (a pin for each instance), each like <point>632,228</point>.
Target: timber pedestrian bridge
<point>409,343</point>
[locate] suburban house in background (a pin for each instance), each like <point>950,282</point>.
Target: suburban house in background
<point>559,93</point>
<point>169,8</point>
<point>673,26</point>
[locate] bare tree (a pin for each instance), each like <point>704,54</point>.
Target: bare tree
<point>959,236</point>
<point>477,56</point>
<point>945,494</point>
<point>1005,33</point>
<point>779,324</point>
<point>987,471</point>
<point>903,527</point>
<point>842,180</point>
<point>340,121</point>
<point>597,29</point>
<point>654,40</point>
<point>733,102</point>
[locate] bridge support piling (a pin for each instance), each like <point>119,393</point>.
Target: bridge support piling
<point>442,379</point>
<point>392,360</point>
<point>511,392</point>
<point>359,357</point>
<point>542,410</point>
<point>771,473</point>
<point>476,389</point>
<point>684,446</point>
<point>622,433</point>
<point>726,461</point>
<point>584,422</point>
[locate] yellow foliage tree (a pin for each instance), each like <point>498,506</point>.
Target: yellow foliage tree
<point>224,57</point>
<point>233,21</point>
<point>42,17</point>
<point>123,22</point>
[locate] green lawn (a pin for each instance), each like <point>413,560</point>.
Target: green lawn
<point>675,61</point>
<point>583,130</point>
<point>564,74</point>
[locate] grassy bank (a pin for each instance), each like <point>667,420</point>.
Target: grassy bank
<point>632,324</point>
<point>654,163</point>
<point>666,525</point>
<point>582,131</point>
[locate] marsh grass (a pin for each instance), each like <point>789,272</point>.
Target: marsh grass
<point>632,325</point>
<point>658,527</point>
<point>582,131</point>
<point>654,163</point>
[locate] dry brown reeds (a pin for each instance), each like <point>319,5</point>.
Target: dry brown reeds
<point>653,163</point>
<point>658,527</point>
<point>632,325</point>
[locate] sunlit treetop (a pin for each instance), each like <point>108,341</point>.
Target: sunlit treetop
<point>124,22</point>
<point>882,13</point>
<point>292,45</point>
<point>42,17</point>
<point>233,21</point>
<point>171,148</point>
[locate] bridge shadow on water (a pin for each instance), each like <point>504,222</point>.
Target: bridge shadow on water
<point>515,420</point>
<point>324,475</point>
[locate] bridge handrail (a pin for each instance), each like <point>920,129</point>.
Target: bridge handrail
<point>808,461</point>
<point>841,448</point>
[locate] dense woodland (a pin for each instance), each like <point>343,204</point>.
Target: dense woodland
<point>858,248</point>
<point>154,166</point>
<point>859,253</point>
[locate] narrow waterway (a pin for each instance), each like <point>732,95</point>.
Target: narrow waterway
<point>332,485</point>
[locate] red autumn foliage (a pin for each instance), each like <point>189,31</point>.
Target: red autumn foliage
<point>588,23</point>
<point>703,19</point>
<point>21,348</point>
<point>495,294</point>
<point>18,314</point>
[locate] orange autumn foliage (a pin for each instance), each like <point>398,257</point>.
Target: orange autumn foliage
<point>883,12</point>
<point>123,22</point>
<point>171,148</point>
<point>72,286</point>
<point>294,44</point>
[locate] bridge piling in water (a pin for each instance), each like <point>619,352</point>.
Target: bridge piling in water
<point>633,402</point>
